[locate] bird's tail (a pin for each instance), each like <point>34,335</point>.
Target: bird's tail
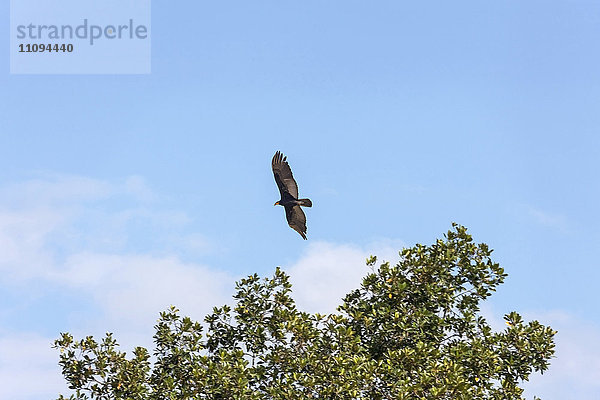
<point>305,202</point>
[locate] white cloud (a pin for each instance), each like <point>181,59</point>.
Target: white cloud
<point>575,372</point>
<point>48,232</point>
<point>29,368</point>
<point>326,272</point>
<point>71,233</point>
<point>133,288</point>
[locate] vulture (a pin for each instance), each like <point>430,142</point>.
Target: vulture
<point>288,189</point>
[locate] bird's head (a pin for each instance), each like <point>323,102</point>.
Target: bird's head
<point>276,204</point>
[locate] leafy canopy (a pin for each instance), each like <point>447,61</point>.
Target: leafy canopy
<point>411,331</point>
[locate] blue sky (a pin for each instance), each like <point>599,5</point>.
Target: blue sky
<point>120,193</point>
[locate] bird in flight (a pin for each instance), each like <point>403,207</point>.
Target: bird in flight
<point>288,189</point>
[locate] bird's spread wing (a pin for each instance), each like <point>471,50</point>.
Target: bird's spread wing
<point>283,176</point>
<point>296,219</point>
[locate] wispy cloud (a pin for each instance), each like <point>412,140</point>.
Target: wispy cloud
<point>548,219</point>
<point>71,234</point>
<point>56,189</point>
<point>44,238</point>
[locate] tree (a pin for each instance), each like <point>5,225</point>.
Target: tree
<point>411,331</point>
